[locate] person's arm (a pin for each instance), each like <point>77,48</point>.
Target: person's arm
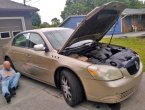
<point>0,75</point>
<point>13,71</point>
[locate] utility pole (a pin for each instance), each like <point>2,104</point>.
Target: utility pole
<point>24,2</point>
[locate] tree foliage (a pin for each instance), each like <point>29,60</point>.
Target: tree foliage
<point>82,7</point>
<point>136,4</point>
<point>44,25</point>
<point>55,22</point>
<point>36,19</point>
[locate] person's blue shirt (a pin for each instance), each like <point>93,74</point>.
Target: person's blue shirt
<point>2,73</point>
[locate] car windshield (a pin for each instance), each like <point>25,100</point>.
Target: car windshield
<point>58,38</point>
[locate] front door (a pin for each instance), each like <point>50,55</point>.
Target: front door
<point>39,61</point>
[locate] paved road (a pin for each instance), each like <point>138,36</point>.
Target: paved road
<point>131,34</point>
<point>33,95</point>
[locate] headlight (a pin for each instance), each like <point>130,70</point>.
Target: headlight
<point>107,73</point>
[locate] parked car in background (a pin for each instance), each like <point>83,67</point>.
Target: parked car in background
<point>76,62</point>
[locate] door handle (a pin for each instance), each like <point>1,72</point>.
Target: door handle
<point>28,55</point>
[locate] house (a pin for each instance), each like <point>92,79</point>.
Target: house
<point>14,18</point>
<point>131,20</point>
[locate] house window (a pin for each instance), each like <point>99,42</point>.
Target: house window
<point>139,19</point>
<point>16,32</point>
<point>5,35</point>
<point>128,21</point>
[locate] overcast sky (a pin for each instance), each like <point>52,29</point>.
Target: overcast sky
<point>48,8</point>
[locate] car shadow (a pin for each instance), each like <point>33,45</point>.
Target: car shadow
<point>58,94</point>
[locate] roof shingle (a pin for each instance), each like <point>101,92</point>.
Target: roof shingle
<point>129,11</point>
<point>11,5</point>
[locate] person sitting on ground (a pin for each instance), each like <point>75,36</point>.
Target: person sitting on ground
<point>9,81</point>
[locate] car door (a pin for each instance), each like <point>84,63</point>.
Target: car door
<point>39,61</point>
<point>19,54</point>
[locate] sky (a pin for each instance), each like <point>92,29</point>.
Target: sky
<point>48,8</point>
<point>142,0</point>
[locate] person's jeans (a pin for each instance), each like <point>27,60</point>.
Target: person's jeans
<point>10,83</point>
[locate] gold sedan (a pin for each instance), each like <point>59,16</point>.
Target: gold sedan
<point>76,62</point>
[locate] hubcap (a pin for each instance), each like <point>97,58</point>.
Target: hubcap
<point>66,88</point>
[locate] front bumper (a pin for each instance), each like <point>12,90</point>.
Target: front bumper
<point>113,91</point>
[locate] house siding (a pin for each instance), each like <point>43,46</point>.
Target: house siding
<point>74,21</point>
<point>133,23</point>
<point>14,24</point>
<point>117,28</point>
<point>26,15</point>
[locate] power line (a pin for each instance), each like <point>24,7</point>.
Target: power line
<point>28,0</point>
<point>34,2</point>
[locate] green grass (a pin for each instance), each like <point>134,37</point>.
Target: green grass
<point>136,44</point>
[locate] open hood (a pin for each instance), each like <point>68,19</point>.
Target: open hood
<point>97,23</point>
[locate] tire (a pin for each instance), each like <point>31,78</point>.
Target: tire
<point>8,59</point>
<point>71,88</point>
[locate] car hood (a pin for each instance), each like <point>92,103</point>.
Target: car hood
<point>96,24</point>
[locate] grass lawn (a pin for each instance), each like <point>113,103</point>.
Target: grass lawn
<point>136,44</point>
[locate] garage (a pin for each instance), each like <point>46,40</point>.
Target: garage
<point>14,18</point>
<point>9,27</point>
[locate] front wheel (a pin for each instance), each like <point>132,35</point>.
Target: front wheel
<point>72,89</point>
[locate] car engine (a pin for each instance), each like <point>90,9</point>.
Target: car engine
<point>100,53</point>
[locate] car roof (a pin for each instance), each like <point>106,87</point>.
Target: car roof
<point>47,29</point>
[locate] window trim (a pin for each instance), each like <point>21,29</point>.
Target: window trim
<point>6,32</point>
<point>29,40</point>
<point>16,31</point>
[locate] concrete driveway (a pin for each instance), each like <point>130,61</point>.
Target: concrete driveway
<point>33,95</point>
<point>131,34</point>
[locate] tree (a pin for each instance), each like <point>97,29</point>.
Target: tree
<point>77,7</point>
<point>82,7</point>
<point>36,19</point>
<point>136,4</point>
<point>44,25</point>
<point>55,22</point>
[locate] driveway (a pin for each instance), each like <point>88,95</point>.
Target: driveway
<point>33,95</point>
<point>131,34</point>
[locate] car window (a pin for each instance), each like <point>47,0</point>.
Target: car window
<point>20,40</point>
<point>35,39</point>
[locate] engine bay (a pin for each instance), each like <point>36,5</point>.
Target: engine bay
<point>100,53</point>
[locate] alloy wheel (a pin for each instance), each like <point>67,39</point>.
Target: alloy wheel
<point>66,88</point>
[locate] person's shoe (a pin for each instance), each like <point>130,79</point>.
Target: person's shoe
<point>8,97</point>
<point>13,91</point>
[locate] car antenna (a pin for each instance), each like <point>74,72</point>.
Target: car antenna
<point>113,33</point>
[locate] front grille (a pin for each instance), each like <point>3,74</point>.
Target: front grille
<point>126,93</point>
<point>133,69</point>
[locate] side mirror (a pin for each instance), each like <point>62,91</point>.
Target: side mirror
<point>39,47</point>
